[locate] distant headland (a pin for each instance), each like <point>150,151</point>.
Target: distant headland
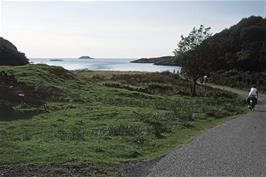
<point>166,60</point>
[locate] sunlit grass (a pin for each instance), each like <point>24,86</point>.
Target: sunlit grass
<point>136,116</point>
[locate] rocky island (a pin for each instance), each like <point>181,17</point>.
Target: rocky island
<point>56,60</point>
<point>85,57</point>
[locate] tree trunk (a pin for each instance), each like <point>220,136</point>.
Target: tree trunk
<point>193,89</point>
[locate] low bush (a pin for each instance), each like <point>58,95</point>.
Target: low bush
<point>97,77</point>
<point>136,79</point>
<point>158,88</point>
<point>159,124</point>
<point>123,129</point>
<point>70,134</point>
<point>186,119</point>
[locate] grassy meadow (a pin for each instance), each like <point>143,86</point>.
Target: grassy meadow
<point>102,119</point>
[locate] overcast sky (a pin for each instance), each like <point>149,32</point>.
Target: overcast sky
<point>114,29</point>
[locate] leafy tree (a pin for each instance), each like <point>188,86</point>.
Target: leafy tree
<point>194,39</point>
<point>188,55</point>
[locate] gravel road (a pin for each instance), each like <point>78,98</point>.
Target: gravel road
<point>236,148</point>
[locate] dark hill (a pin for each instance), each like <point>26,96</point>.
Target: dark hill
<point>9,55</point>
<point>236,57</point>
<point>241,47</point>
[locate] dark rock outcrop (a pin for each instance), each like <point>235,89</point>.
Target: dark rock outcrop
<point>9,55</point>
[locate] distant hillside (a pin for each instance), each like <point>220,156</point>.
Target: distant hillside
<point>241,47</point>
<point>9,55</point>
<point>166,60</point>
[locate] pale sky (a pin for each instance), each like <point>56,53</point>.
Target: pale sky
<point>113,29</point>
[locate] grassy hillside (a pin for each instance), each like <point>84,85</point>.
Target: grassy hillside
<point>101,119</point>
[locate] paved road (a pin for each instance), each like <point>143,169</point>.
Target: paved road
<point>234,149</point>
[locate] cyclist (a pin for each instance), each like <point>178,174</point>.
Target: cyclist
<point>252,95</point>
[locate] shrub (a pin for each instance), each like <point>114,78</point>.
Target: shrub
<point>157,128</point>
<point>77,134</point>
<point>159,88</point>
<point>72,134</point>
<point>133,154</point>
<point>157,124</point>
<point>6,108</point>
<point>123,129</point>
<point>186,119</point>
<point>97,77</point>
<point>139,138</point>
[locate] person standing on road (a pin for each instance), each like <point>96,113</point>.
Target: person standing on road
<point>205,79</point>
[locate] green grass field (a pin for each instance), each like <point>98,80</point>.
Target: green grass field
<point>103,118</point>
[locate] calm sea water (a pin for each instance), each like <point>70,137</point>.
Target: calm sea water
<point>113,64</point>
